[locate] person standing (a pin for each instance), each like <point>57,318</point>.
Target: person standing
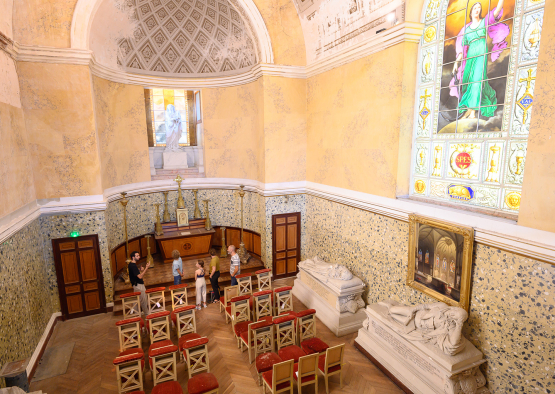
<point>200,284</point>
<point>215,274</point>
<point>235,265</point>
<point>177,268</point>
<point>136,278</point>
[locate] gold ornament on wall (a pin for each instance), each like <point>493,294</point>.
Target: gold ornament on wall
<point>419,186</point>
<point>430,34</point>
<point>526,100</point>
<point>437,161</point>
<point>493,160</point>
<point>512,200</point>
<point>519,162</point>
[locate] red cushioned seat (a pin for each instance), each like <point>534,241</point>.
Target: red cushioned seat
<point>265,362</point>
<point>263,271</point>
<point>130,295</point>
<point>322,365</point>
<point>292,352</point>
<point>241,327</point>
<point>284,318</point>
<point>187,337</point>
<point>157,315</point>
<point>306,312</point>
<point>268,375</point>
<point>195,342</point>
<point>314,345</point>
<point>180,286</point>
<point>268,319</point>
<point>242,275</point>
<point>136,392</point>
<point>281,289</point>
<point>156,289</point>
<point>130,355</point>
<point>131,320</point>
<point>305,378</point>
<point>159,348</point>
<point>167,388</point>
<point>202,383</point>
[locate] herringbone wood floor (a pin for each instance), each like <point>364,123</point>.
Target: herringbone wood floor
<point>91,371</point>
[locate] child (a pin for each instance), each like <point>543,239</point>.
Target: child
<point>201,284</point>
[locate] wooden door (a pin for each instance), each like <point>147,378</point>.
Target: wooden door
<point>286,244</point>
<point>79,272</point>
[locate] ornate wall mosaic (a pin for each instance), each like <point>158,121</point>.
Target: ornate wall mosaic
<point>477,70</point>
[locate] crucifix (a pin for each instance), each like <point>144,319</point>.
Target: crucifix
<point>425,111</point>
<point>525,102</point>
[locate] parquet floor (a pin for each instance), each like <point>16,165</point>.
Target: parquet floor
<point>91,371</point>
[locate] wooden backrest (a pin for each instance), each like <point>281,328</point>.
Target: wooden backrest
<point>262,305</point>
<point>240,311</point>
<point>186,322</point>
<point>283,372</point>
<point>308,365</point>
<point>245,284</point>
<point>307,327</point>
<point>230,292</point>
<point>179,296</point>
<point>334,356</point>
<point>262,337</point>
<point>285,332</point>
<point>283,301</point>
<point>264,280</point>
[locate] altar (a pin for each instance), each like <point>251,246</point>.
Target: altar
<point>191,241</point>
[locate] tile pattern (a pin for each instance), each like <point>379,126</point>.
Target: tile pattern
<point>512,312</point>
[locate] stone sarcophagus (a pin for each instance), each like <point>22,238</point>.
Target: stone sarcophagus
<point>334,292</point>
<point>423,347</point>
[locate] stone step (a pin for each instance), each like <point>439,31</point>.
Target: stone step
<point>192,172</point>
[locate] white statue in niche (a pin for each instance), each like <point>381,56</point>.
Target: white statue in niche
<point>173,128</point>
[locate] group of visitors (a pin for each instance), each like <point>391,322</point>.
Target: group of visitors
<point>136,275</point>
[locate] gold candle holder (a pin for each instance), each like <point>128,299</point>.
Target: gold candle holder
<point>149,258</point>
<point>244,256</point>
<point>197,214</point>
<point>437,160</point>
<point>519,161</point>
<point>180,201</point>
<point>123,203</point>
<point>207,224</point>
<point>166,217</point>
<point>158,227</point>
<point>493,175</point>
<point>223,252</point>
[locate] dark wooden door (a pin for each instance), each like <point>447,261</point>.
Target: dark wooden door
<point>286,244</point>
<point>79,272</point>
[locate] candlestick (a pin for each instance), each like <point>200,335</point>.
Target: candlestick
<point>149,258</point>
<point>207,224</point>
<point>244,256</point>
<point>124,202</point>
<point>223,252</point>
<point>167,217</point>
<point>180,201</point>
<point>158,227</point>
<point>197,214</point>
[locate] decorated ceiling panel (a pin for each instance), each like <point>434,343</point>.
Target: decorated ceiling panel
<point>187,37</point>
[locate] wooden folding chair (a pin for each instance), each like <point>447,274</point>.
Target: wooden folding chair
<point>264,355</point>
<point>239,314</point>
<point>331,364</point>
<point>158,326</point>
<point>280,378</point>
<point>262,304</point>
<point>195,354</point>
<point>245,283</point>
<point>156,299</point>
<point>283,300</point>
<point>259,337</point>
<point>286,338</point>
<point>129,370</point>
<point>185,321</point>
<point>163,361</point>
<point>264,278</point>
<point>229,293</point>
<point>179,295</point>
<point>129,331</point>
<point>131,305</point>
<point>306,372</point>
<point>204,383</point>
<point>228,314</point>
<point>306,323</point>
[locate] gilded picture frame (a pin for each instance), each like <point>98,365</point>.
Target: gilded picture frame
<point>440,260</point>
<point>182,215</point>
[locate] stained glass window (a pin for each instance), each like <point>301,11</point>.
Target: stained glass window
<point>159,101</point>
<point>475,95</point>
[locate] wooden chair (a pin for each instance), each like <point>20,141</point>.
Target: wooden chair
<point>195,354</point>
<point>131,305</point>
<point>239,314</point>
<point>280,378</point>
<point>156,299</point>
<point>264,355</point>
<point>306,323</point>
<point>179,295</point>
<point>129,331</point>
<point>185,321</point>
<point>283,300</point>
<point>158,326</point>
<point>245,283</point>
<point>162,360</point>
<point>259,335</point>
<point>262,304</point>
<point>331,364</point>
<point>264,278</point>
<point>286,338</point>
<point>204,383</point>
<point>229,293</point>
<point>129,370</point>
<point>306,372</point>
<point>167,388</point>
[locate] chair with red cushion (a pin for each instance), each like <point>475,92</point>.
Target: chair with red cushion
<point>306,322</point>
<point>331,363</point>
<point>130,332</point>
<point>158,325</point>
<point>179,295</point>
<point>156,299</point>
<point>279,378</point>
<point>283,300</point>
<point>262,304</point>
<point>184,320</point>
<point>286,339</point>
<point>239,314</point>
<point>264,278</point>
<point>258,335</point>
<point>195,354</point>
<point>129,370</point>
<point>306,372</point>
<point>162,360</point>
<point>204,383</point>
<point>131,305</point>
<point>229,293</point>
<point>245,283</point>
<point>167,388</point>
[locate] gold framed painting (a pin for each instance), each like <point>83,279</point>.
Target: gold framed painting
<point>440,260</point>
<point>182,217</point>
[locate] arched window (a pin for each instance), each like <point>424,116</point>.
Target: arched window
<point>476,76</point>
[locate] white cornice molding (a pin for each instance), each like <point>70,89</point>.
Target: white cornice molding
<point>40,54</point>
<point>494,232</point>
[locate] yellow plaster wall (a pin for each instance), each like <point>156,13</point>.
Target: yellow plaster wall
<point>284,28</point>
<point>537,208</point>
<point>285,139</point>
<point>122,134</point>
<point>233,131</point>
<point>358,122</point>
<point>58,107</point>
<point>6,11</point>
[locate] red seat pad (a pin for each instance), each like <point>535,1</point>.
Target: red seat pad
<point>305,378</point>
<point>322,365</point>
<point>131,320</point>
<point>292,352</point>
<point>180,286</point>
<point>265,362</point>
<point>284,318</point>
<point>240,298</point>
<point>138,293</point>
<point>202,383</point>
<point>187,337</point>
<point>262,271</point>
<point>130,355</point>
<point>241,327</point>
<point>284,288</point>
<point>157,314</point>
<point>306,312</point>
<point>267,319</point>
<point>242,275</point>
<point>167,388</point>
<point>137,392</point>
<point>159,348</point>
<point>156,289</point>
<point>267,376</point>
<point>314,345</point>
<point>194,342</point>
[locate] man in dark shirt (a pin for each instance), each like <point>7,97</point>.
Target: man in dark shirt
<point>136,279</point>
